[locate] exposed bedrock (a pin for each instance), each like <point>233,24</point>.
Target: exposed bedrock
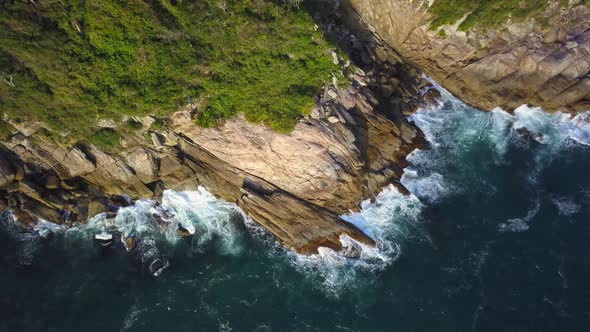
<point>352,144</point>
<point>544,64</point>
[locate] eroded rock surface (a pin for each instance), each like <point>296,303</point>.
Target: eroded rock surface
<point>351,145</point>
<point>528,62</point>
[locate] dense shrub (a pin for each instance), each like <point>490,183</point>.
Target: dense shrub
<point>76,61</point>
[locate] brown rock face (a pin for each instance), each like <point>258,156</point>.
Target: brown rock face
<point>352,144</point>
<point>517,63</point>
<point>294,185</point>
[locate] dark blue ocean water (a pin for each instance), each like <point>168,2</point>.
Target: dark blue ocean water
<point>495,237</point>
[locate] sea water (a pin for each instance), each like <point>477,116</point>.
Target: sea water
<point>494,237</point>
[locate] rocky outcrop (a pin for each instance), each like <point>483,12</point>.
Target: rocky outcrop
<point>352,144</point>
<point>544,64</point>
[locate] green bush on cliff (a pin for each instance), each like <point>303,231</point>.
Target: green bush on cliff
<point>482,13</point>
<point>69,63</point>
<point>106,138</point>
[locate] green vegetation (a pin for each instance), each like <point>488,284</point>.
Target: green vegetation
<point>106,138</point>
<point>70,62</point>
<point>483,13</point>
<point>134,125</point>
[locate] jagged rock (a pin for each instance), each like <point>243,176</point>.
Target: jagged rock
<point>115,177</point>
<point>104,239</point>
<point>350,252</point>
<point>334,58</point>
<point>143,163</point>
<point>27,128</point>
<point>544,64</point>
<point>96,207</point>
<point>530,135</point>
<point>42,211</point>
<point>331,93</point>
<point>431,96</point>
<point>129,243</point>
<point>20,174</point>
<point>156,141</point>
<point>168,164</point>
<point>52,182</point>
<point>333,119</point>
<point>296,185</point>
<point>182,232</point>
<point>7,175</point>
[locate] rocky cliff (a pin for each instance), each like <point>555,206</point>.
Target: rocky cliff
<point>543,60</point>
<point>296,185</point>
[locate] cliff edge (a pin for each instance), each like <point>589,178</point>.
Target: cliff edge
<point>541,59</point>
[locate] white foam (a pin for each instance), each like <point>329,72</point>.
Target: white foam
<point>566,206</point>
<point>388,221</point>
<point>521,224</point>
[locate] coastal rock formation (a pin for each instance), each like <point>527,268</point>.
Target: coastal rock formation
<point>544,64</point>
<point>352,144</point>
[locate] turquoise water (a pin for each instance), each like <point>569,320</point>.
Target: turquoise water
<point>494,238</point>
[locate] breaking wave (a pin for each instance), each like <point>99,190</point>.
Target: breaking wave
<point>457,134</point>
<point>389,220</point>
<point>150,229</point>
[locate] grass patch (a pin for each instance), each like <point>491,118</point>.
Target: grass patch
<point>106,138</point>
<point>159,124</point>
<point>483,13</point>
<point>74,61</point>
<point>134,125</point>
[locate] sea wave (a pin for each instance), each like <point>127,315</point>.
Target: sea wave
<point>458,134</point>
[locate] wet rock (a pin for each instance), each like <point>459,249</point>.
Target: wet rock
<point>181,231</point>
<point>161,217</point>
<point>350,252</point>
<point>530,135</point>
<point>95,207</point>
<point>120,200</point>
<point>129,243</point>
<point>431,96</point>
<point>104,239</point>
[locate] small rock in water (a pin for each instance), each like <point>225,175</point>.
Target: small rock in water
<point>183,232</point>
<point>431,96</point>
<point>526,133</point>
<point>350,252</point>
<point>104,239</point>
<point>129,243</point>
<point>161,217</point>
